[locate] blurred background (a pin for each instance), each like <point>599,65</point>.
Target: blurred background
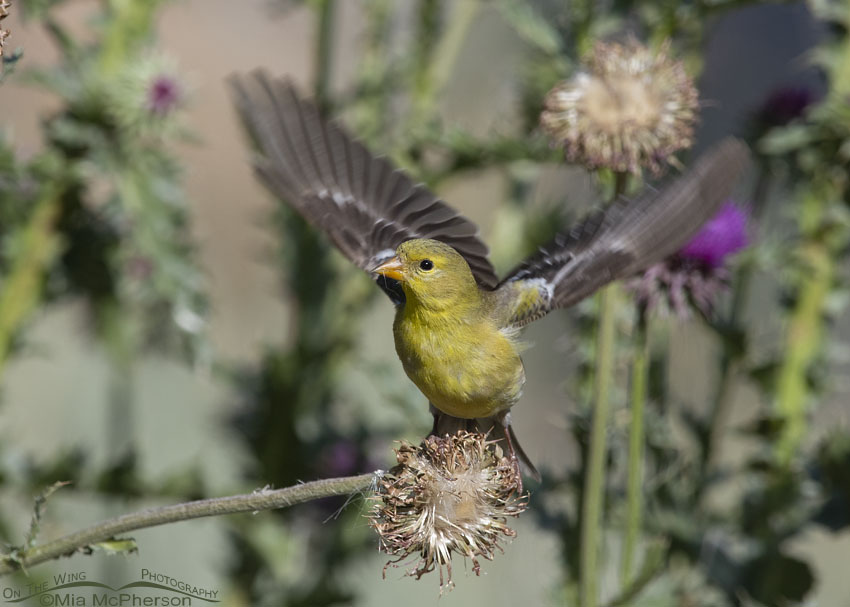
<point>183,335</point>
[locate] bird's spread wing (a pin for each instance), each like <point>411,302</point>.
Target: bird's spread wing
<point>365,205</point>
<point>621,240</point>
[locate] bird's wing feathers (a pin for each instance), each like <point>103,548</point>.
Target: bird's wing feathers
<point>365,205</point>
<point>622,239</point>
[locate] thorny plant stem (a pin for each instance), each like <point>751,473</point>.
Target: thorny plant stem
<point>153,517</point>
<point>21,291</point>
<point>803,340</point>
<point>634,503</point>
<point>130,24</point>
<point>804,335</point>
<point>594,487</point>
<point>583,13</point>
<point>817,255</point>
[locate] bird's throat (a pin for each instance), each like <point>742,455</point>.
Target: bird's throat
<point>442,305</point>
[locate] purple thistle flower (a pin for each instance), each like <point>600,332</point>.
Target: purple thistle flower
<point>340,459</point>
<point>720,237</point>
<point>696,274</point>
<point>786,104</point>
<point>139,267</point>
<point>163,94</point>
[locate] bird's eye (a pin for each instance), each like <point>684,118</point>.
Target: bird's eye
<point>426,264</point>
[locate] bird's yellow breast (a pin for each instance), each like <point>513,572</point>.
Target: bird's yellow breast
<point>466,368</point>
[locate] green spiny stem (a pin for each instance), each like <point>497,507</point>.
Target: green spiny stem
<point>21,291</point>
<point>802,344</point>
<point>129,24</point>
<point>153,517</point>
<point>582,22</point>
<point>821,243</point>
<point>634,502</point>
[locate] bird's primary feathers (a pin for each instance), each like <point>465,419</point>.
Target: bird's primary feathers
<point>456,324</point>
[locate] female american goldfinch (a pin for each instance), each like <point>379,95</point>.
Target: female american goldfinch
<point>456,323</point>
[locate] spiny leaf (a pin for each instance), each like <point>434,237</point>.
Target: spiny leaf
<point>530,26</point>
<point>115,546</point>
<point>38,511</point>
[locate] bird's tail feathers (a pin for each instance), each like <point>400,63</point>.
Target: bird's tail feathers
<point>499,428</point>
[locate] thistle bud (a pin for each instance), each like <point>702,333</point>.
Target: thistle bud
<point>786,104</point>
<point>163,94</point>
<point>449,495</point>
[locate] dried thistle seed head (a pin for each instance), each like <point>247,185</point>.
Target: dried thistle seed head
<point>630,108</point>
<point>447,496</point>
<point>4,12</point>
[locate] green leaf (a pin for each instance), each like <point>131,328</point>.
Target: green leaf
<point>530,26</point>
<point>38,511</point>
<point>765,375</point>
<point>115,546</point>
<point>780,141</point>
<point>774,578</point>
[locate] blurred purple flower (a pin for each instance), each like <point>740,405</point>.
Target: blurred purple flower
<point>139,267</point>
<point>720,237</point>
<point>697,274</point>
<point>786,104</point>
<point>163,94</point>
<point>340,459</point>
<point>676,283</point>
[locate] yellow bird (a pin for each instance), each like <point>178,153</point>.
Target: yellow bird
<point>456,324</point>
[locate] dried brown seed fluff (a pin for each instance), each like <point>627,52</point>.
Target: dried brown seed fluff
<point>447,496</point>
<point>4,12</point>
<point>630,108</point>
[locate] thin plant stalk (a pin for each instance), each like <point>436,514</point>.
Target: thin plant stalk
<point>594,487</point>
<point>104,531</point>
<point>634,502</point>
<point>129,26</point>
<point>324,48</point>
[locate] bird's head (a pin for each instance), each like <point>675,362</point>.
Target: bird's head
<point>432,274</point>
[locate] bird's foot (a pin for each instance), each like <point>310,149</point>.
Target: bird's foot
<point>517,471</point>
<point>514,459</point>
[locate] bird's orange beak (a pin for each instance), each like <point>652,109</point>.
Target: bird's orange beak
<point>392,268</point>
